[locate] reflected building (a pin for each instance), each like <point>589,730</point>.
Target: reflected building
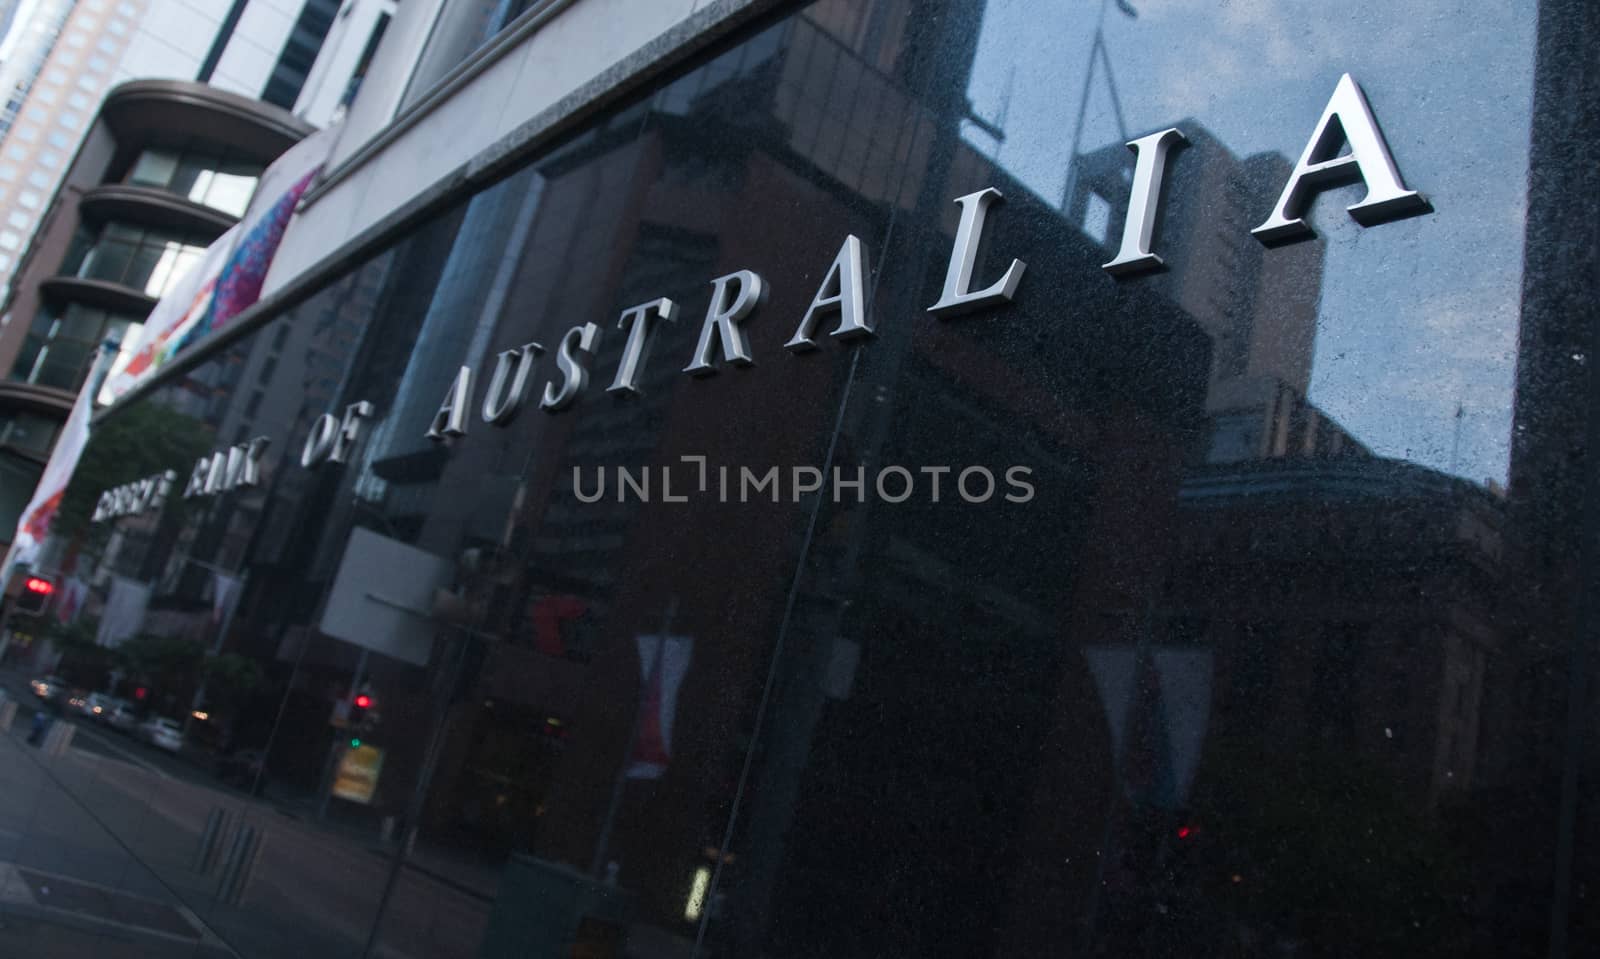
<point>1224,681</point>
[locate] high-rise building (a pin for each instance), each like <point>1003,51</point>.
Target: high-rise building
<point>61,56</point>
<point>129,195</point>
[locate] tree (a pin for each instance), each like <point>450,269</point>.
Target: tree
<point>169,665</point>
<point>136,442</point>
<point>83,660</point>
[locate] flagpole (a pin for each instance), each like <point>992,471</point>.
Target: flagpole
<point>82,408</point>
<point>1097,48</point>
<point>603,844</point>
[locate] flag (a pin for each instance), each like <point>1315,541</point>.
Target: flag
<point>172,319</point>
<point>70,603</point>
<point>260,231</point>
<point>34,523</point>
<point>124,613</point>
<point>224,593</point>
<point>665,662</point>
<point>1158,708</point>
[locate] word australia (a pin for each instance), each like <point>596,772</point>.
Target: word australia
<point>1347,121</point>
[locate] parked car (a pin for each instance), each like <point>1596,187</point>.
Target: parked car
<point>245,769</point>
<point>96,705</point>
<point>50,688</point>
<point>123,717</point>
<point>162,733</point>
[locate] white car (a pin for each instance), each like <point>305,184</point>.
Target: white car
<point>163,734</point>
<point>122,717</point>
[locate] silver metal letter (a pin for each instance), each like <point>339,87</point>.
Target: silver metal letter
<point>451,420</point>
<point>500,405</point>
<point>1140,226</point>
<point>319,441</point>
<point>723,319</point>
<point>197,478</point>
<point>217,477</point>
<point>257,448</point>
<point>349,429</point>
<point>637,320</point>
<point>956,299</point>
<point>1321,167</point>
<point>163,490</point>
<point>576,349</point>
<point>843,290</point>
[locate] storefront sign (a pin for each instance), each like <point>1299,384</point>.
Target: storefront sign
<point>359,769</point>
<point>1347,121</point>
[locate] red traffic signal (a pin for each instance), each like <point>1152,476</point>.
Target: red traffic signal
<point>35,595</point>
<point>362,701</point>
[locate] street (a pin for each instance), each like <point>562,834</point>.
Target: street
<point>112,830</point>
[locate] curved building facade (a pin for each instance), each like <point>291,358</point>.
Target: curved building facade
<point>166,168</point>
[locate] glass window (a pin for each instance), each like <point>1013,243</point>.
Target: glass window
<point>153,168</point>
<point>8,172</point>
<point>18,478</point>
<point>148,260</point>
<point>29,199</point>
<point>299,52</point>
<point>29,431</point>
<point>462,27</point>
<point>9,240</point>
<point>60,347</point>
<point>204,177</point>
<point>19,219</point>
<point>69,120</point>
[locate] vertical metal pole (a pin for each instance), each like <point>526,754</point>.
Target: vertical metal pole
<point>603,844</point>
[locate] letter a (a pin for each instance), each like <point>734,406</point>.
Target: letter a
<point>1321,167</point>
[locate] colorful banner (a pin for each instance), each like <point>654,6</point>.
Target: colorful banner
<point>34,523</point>
<point>225,591</point>
<point>70,604</point>
<point>170,323</point>
<point>665,662</point>
<point>123,616</point>
<point>228,279</point>
<point>261,229</point>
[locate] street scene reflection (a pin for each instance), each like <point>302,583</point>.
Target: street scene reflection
<point>1271,662</point>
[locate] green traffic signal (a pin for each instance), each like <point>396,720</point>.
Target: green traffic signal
<point>355,743</point>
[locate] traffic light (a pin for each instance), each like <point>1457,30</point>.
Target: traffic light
<point>35,596</point>
<point>362,717</point>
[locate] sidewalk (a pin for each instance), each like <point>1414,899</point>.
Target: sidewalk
<point>69,888</point>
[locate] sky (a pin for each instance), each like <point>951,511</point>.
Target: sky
<point>1418,316</point>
